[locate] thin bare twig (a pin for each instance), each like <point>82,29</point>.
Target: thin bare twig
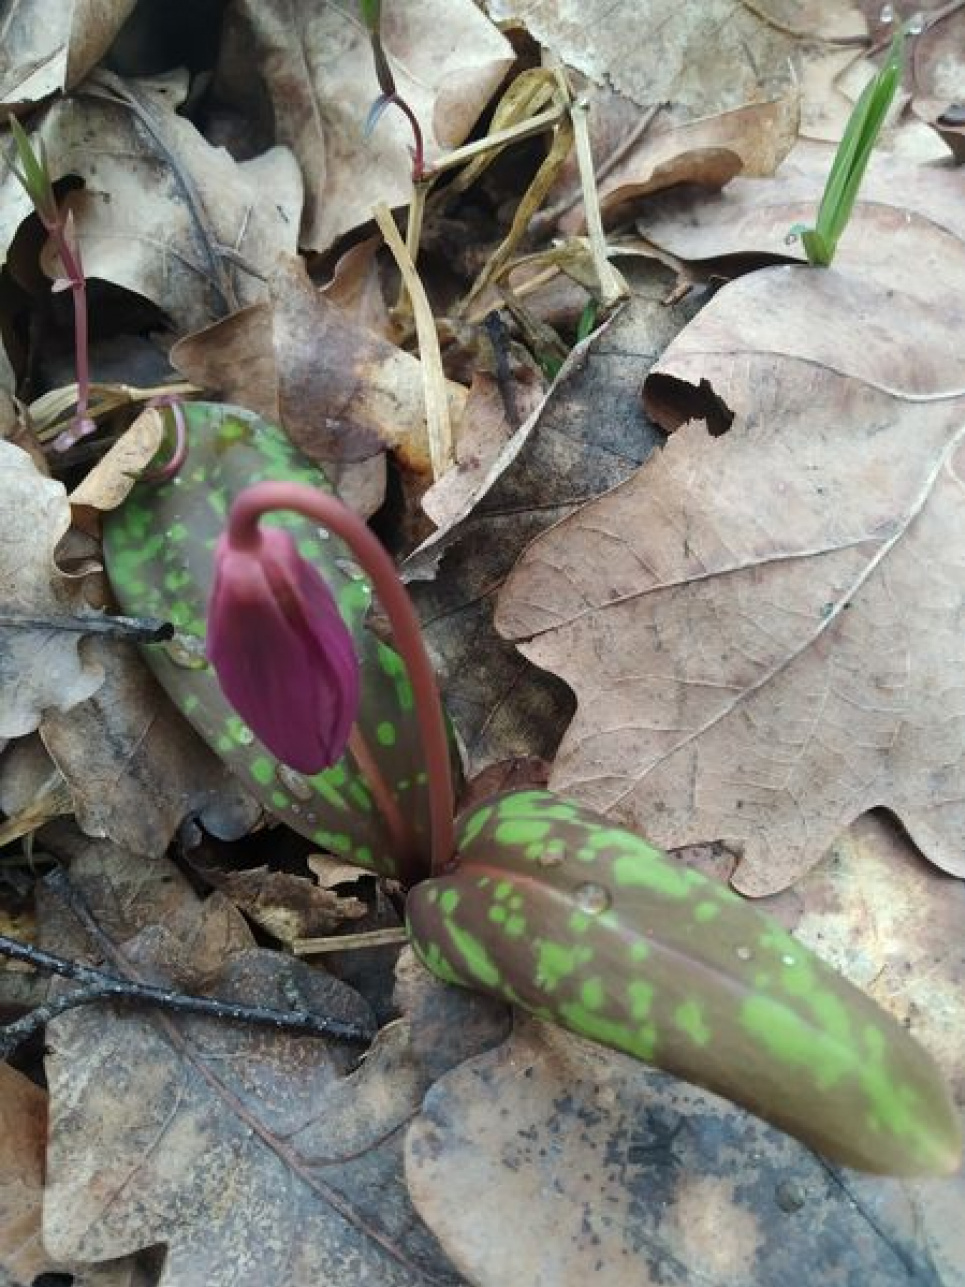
<point>97,985</point>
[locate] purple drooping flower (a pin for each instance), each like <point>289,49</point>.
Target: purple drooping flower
<point>284,658</point>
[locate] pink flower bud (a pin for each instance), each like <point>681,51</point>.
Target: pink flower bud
<point>282,653</point>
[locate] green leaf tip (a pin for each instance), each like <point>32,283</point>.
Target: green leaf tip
<point>852,157</point>
<point>552,908</point>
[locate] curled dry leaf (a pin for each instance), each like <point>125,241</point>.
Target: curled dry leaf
<point>340,392</point>
<point>162,212</point>
<point>47,47</point>
<point>287,906</point>
<point>110,481</point>
<point>763,628</point>
<point>43,666</point>
<point>447,60</point>
<point>751,140</point>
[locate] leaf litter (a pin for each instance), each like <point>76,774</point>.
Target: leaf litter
<point>758,622</point>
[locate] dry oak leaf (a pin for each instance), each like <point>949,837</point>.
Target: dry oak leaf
<point>23,1137</point>
<point>764,629</point>
<point>135,767</point>
<point>700,58</point>
<point>162,212</point>
<point>632,1178</point>
<point>253,1157</point>
<point>49,47</point>
<point>42,664</point>
<point>447,59</point>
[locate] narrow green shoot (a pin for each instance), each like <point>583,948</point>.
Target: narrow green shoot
<point>851,159</point>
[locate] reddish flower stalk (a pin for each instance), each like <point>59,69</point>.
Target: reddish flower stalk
<point>34,174</point>
<point>243,532</point>
<point>62,233</point>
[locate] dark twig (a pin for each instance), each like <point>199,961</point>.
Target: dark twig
<point>132,629</point>
<point>96,985</point>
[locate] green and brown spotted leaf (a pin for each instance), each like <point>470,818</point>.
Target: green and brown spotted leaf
<point>158,549</point>
<point>588,926</point>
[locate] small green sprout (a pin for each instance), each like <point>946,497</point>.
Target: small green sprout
<point>851,159</point>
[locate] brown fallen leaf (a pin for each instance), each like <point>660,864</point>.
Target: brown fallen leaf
<point>42,666</point>
<point>110,481</point>
<point>702,59</point>
<point>447,60</point>
<point>47,48</point>
<point>947,119</point>
<point>590,434</point>
<point>286,905</point>
<point>340,392</point>
<point>751,140</point>
<point>23,1138</point>
<point>162,212</point>
<point>630,1177</point>
<point>252,1156</point>
<point>763,628</point>
<point>136,769</point>
<point>755,216</point>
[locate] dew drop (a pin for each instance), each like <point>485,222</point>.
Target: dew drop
<point>789,960</point>
<point>592,898</point>
<point>295,782</point>
<point>186,651</point>
<point>244,735</point>
<point>916,24</point>
<point>887,14</point>
<point>744,953</point>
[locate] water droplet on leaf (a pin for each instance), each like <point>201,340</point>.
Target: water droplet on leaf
<point>592,898</point>
<point>789,960</point>
<point>187,651</point>
<point>295,782</point>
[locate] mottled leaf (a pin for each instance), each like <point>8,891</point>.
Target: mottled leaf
<point>555,910</point>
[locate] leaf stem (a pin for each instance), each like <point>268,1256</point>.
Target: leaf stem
<point>243,520</point>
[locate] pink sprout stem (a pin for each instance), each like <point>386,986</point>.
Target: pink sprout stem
<point>74,275</point>
<point>262,498</point>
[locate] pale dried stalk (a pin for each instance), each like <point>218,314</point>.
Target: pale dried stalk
<point>439,427</point>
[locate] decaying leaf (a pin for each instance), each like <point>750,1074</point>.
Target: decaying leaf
<point>763,628</point>
<point>630,1177</point>
<point>48,47</point>
<point>42,664</point>
<point>340,392</point>
<point>253,1157</point>
<point>704,58</point>
<point>589,435</point>
<point>23,1137</point>
<point>112,478</point>
<point>446,58</point>
<point>286,905</point>
<point>162,212</point>
<point>135,768</point>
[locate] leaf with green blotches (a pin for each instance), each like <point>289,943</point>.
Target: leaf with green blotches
<point>589,926</point>
<point>158,548</point>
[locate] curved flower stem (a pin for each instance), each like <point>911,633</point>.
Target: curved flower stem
<point>261,499</point>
